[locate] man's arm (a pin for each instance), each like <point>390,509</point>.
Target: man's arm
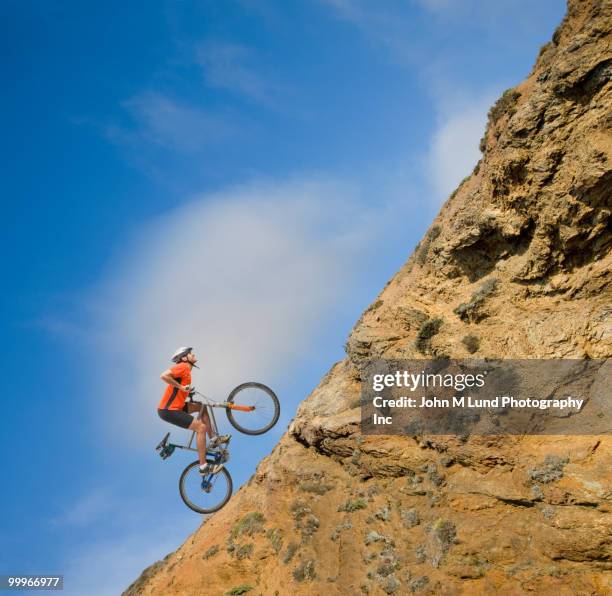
<point>167,377</point>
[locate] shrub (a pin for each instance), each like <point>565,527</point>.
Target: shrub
<point>245,551</point>
<point>550,470</point>
<point>375,305</point>
<point>374,536</point>
<point>470,311</point>
<point>389,584</point>
<point>385,569</point>
<point>427,330</point>
<point>299,509</point>
<point>434,476</point>
<point>310,524</point>
<point>410,518</point>
<point>506,104</point>
<point>291,550</point>
<point>316,487</point>
<point>353,505</point>
<point>471,343</point>
<point>211,552</point>
<point>420,553</point>
<point>304,518</point>
<point>422,248</point>
<point>420,582</point>
<point>305,571</point>
<point>445,532</point>
<point>482,145</point>
<point>249,525</point>
<point>373,490</point>
<point>275,536</point>
<point>345,525</point>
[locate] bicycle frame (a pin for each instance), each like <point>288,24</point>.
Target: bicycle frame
<point>208,404</point>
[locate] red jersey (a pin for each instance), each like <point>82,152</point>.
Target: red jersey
<point>174,398</point>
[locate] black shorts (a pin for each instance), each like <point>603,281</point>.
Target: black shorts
<point>177,417</point>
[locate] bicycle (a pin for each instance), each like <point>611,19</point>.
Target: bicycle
<point>251,408</point>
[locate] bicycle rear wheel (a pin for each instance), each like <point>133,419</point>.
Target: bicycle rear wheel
<point>261,412</point>
<point>205,494</point>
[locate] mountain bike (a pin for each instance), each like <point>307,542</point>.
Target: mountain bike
<point>251,408</point>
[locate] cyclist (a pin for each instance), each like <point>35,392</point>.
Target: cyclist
<point>173,408</point>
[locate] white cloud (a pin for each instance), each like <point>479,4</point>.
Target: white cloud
<point>231,66</point>
<point>454,146</point>
<point>248,276</point>
<point>168,123</point>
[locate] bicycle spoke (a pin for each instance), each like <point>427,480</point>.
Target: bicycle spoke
<point>265,408</point>
<point>204,493</point>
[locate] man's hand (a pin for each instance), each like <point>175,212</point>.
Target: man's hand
<point>186,388</point>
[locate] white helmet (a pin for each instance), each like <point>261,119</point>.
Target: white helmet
<point>176,357</point>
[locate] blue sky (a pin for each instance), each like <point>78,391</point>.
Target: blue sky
<point>243,176</point>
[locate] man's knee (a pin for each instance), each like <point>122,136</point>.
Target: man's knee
<point>198,426</point>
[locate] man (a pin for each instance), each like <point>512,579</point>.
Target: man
<point>173,409</point>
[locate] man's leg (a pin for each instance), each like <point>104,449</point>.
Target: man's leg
<point>215,440</point>
<point>194,408</point>
<point>200,429</point>
<point>206,420</point>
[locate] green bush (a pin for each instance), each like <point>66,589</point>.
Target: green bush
<point>445,532</point>
<point>291,550</point>
<point>420,582</point>
<point>427,330</point>
<point>420,553</point>
<point>353,505</point>
<point>550,470</point>
<point>471,311</point>
<point>506,104</point>
<point>245,551</point>
<point>275,536</point>
<point>471,343</point>
<point>249,525</point>
<point>422,248</point>
<point>410,518</point>
<point>345,525</point>
<point>211,552</point>
<point>316,487</point>
<point>375,305</point>
<point>305,571</point>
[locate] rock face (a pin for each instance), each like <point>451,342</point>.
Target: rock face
<point>516,265</point>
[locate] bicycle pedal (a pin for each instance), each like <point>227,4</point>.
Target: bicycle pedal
<point>162,443</point>
<point>166,451</point>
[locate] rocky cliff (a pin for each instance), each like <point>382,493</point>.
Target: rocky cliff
<point>516,265</point>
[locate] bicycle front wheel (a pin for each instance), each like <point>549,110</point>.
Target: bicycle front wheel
<point>205,494</point>
<point>255,408</point>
